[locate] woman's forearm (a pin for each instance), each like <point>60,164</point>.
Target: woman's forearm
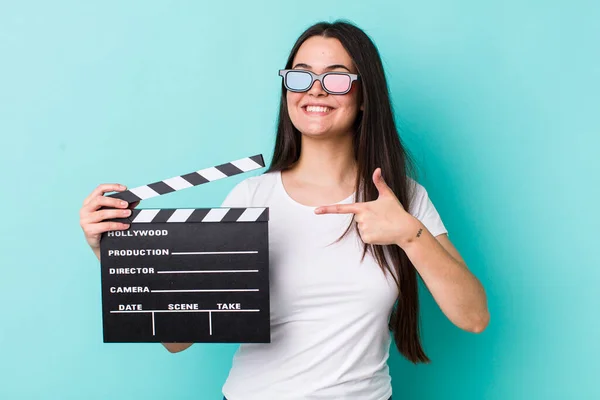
<point>456,290</point>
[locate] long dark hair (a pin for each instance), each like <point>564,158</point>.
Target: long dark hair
<point>376,144</point>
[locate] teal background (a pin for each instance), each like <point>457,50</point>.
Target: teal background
<point>498,101</point>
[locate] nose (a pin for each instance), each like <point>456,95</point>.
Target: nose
<point>317,89</point>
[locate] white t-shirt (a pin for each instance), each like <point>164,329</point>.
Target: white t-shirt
<point>329,311</point>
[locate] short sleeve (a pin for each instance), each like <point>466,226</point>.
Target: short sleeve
<point>423,209</point>
<point>238,196</point>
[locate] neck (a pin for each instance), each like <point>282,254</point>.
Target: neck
<point>326,162</point>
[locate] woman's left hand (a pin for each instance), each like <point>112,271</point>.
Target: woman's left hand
<point>383,221</point>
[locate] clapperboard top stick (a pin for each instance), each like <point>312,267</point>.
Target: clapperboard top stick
<point>192,179</point>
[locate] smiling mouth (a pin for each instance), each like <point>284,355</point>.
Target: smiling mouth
<point>317,110</point>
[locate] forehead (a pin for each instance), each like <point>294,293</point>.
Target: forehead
<point>320,52</point>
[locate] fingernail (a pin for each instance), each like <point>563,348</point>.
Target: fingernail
<point>122,187</point>
<point>124,203</point>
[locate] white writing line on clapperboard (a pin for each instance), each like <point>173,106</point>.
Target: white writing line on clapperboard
<point>150,270</point>
<point>203,290</point>
<point>227,271</point>
<point>172,311</point>
<point>187,253</point>
<point>166,252</point>
<point>145,289</point>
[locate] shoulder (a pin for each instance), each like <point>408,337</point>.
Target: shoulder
<point>257,185</point>
<point>422,208</point>
<point>260,182</point>
<point>417,194</point>
<point>250,190</point>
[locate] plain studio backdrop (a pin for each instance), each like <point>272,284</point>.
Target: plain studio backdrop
<point>497,100</point>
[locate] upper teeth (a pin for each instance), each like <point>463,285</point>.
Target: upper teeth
<point>317,109</point>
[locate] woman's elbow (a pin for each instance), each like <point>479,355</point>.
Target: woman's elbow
<point>176,347</point>
<point>479,323</point>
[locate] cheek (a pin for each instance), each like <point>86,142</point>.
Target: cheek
<point>293,99</point>
<point>353,97</point>
<point>350,103</point>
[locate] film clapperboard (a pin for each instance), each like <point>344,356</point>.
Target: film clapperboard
<point>187,275</point>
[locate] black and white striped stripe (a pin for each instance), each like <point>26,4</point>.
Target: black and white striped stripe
<point>248,214</point>
<point>192,179</point>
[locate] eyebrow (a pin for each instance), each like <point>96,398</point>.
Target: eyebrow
<point>334,66</point>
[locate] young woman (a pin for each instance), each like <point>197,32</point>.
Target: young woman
<point>349,230</point>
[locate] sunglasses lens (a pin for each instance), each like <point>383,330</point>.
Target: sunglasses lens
<point>298,80</point>
<point>337,83</point>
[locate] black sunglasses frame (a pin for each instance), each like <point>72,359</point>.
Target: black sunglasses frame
<point>283,73</point>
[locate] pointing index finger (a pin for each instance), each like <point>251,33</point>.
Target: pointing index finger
<point>352,208</point>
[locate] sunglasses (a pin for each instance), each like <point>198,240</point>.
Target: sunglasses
<point>296,80</point>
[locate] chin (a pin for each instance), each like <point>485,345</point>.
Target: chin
<point>321,133</point>
<point>312,130</point>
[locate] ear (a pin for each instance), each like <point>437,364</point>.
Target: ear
<point>362,107</point>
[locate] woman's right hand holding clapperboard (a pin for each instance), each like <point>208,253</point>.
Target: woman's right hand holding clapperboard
<point>97,208</point>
